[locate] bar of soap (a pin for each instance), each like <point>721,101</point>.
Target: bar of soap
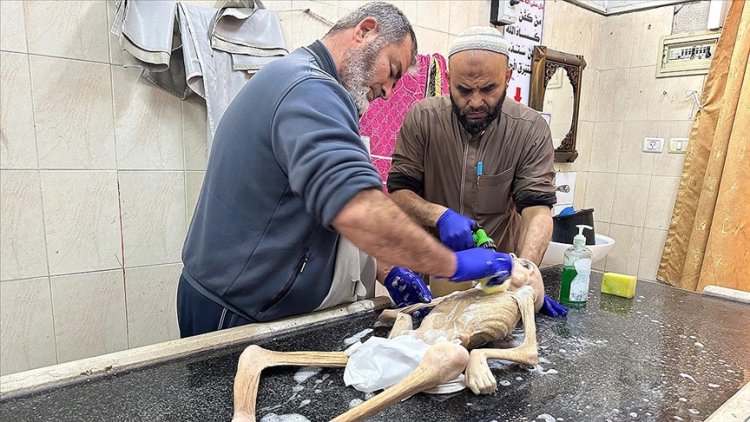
<point>622,285</point>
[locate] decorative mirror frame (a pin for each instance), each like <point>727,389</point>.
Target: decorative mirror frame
<point>545,63</point>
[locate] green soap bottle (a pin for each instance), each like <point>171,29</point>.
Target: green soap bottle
<point>574,285</point>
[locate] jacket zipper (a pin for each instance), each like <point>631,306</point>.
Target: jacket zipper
<point>463,179</point>
<point>289,283</point>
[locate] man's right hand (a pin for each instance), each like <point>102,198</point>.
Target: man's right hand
<point>478,263</point>
<point>455,230</point>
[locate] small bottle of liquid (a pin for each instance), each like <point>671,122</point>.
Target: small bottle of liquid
<point>574,286</point>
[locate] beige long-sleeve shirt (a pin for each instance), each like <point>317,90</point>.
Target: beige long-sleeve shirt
<point>436,158</point>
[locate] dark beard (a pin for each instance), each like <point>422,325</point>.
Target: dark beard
<point>477,126</point>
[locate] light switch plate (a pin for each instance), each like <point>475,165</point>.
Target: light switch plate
<point>654,145</point>
<point>677,145</point>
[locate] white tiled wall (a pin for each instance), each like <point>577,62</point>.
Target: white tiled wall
<point>94,189</point>
<point>101,171</point>
<point>622,102</point>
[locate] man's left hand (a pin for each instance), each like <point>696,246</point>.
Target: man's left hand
<point>406,288</point>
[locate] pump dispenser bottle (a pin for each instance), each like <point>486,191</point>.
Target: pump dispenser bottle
<point>574,285</point>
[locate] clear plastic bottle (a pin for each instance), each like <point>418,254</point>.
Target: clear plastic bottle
<point>574,285</point>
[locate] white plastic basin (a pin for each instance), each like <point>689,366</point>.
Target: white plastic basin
<point>555,251</point>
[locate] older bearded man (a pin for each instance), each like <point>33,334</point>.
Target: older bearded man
<point>291,213</point>
<point>477,157</point>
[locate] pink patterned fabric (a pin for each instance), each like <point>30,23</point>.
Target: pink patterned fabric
<point>383,120</point>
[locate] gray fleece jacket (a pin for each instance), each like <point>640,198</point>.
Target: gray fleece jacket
<point>286,158</point>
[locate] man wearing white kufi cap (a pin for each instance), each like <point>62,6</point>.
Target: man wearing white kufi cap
<point>477,156</point>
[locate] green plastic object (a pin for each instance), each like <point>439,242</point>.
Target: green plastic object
<point>482,240</point>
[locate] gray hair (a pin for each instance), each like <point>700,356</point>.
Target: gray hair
<point>393,25</point>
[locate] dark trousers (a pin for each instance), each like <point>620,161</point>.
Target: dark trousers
<point>197,314</point>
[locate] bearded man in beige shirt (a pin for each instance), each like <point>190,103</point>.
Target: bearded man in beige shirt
<point>477,156</point>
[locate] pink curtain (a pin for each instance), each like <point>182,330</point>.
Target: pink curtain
<point>383,120</point>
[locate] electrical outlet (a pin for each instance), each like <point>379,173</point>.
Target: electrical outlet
<point>677,145</point>
<point>654,145</point>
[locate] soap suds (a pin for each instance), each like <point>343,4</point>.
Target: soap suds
<point>306,372</point>
<point>713,385</point>
<point>688,377</point>
<point>677,418</point>
<point>355,402</point>
<point>504,383</point>
<point>633,415</point>
<point>293,417</point>
<point>693,411</point>
<point>683,399</point>
<point>357,337</point>
<point>546,417</point>
<point>698,344</point>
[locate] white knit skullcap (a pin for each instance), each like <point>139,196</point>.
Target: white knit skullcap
<point>479,38</point>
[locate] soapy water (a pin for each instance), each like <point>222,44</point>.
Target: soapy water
<point>304,373</point>
<point>357,337</point>
<point>293,417</point>
<point>545,417</point>
<point>688,377</point>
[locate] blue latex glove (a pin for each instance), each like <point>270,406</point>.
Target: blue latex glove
<point>478,263</point>
<point>552,308</point>
<point>506,263</point>
<point>455,230</point>
<point>406,288</point>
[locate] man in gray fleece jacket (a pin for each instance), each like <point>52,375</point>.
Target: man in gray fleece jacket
<point>291,210</point>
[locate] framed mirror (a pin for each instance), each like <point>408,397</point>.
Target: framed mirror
<point>556,93</point>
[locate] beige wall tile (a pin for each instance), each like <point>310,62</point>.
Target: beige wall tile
<point>27,333</point>
<point>629,206</point>
<point>579,195</point>
<point>589,99</point>
<point>624,256</point>
<point>117,55</point>
<point>89,312</point>
<point>652,247</point>
<point>153,216</point>
<point>148,123</point>
<point>600,227</point>
<point>616,33</point>
<point>152,304</point>
<point>584,141</point>
<point>73,113</point>
<point>605,147</point>
<point>82,220</point>
<point>671,164</point>
<point>281,4</point>
<point>194,182</point>
<point>600,195</point>
<point>287,19</point>
<point>194,133</point>
<point>649,27</point>
<point>632,159</point>
<point>409,8</point>
<point>22,249</point>
<point>304,29</point>
<point>463,14</point>
<point>675,105</point>
<point>76,30</point>
<point>17,142</point>
<point>430,41</point>
<point>434,14</point>
<point>644,94</point>
<point>12,27</point>
<point>612,102</point>
<point>661,198</point>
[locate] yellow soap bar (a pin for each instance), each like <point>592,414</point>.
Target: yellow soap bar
<point>491,290</point>
<point>619,284</point>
